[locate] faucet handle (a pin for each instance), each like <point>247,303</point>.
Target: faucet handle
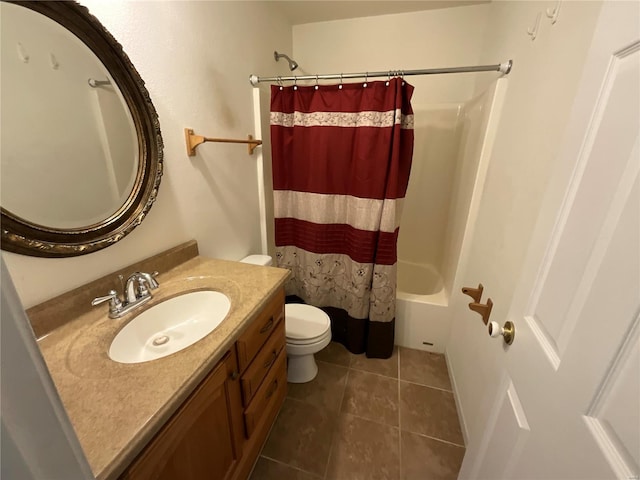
<point>149,279</point>
<point>139,284</point>
<point>112,297</point>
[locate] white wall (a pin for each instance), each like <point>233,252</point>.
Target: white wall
<point>537,104</point>
<point>429,39</point>
<point>195,58</point>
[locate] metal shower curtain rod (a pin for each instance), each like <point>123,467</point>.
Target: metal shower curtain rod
<point>504,68</point>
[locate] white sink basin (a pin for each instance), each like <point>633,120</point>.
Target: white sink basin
<point>170,326</point>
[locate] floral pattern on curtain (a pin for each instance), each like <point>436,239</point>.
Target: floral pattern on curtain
<point>341,164</point>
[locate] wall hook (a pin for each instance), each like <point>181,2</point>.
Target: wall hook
<point>483,309</point>
<point>533,31</point>
<point>22,53</point>
<point>552,13</point>
<point>475,293</point>
<point>53,61</point>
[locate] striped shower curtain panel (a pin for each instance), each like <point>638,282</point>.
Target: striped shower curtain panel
<point>341,163</point>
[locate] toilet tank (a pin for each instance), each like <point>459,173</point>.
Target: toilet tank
<point>258,260</point>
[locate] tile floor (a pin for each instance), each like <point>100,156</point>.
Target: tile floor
<point>364,418</point>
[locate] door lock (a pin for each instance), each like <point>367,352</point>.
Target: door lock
<point>508,332</point>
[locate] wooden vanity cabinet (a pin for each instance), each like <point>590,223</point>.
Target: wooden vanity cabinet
<point>262,358</point>
<point>218,432</point>
<point>199,441</point>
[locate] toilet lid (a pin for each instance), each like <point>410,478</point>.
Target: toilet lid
<point>309,341</point>
<point>303,322</point>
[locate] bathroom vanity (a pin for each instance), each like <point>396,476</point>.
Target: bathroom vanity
<point>203,412</point>
<point>218,431</point>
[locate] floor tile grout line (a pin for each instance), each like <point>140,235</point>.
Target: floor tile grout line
<point>333,436</point>
<point>387,376</point>
<point>344,391</point>
<point>428,386</point>
<point>290,466</point>
<point>434,438</point>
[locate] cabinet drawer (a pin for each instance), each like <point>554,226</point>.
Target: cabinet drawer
<point>270,392</point>
<point>260,330</point>
<point>265,359</point>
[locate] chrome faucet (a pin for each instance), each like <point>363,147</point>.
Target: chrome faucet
<point>136,293</point>
<point>138,285</point>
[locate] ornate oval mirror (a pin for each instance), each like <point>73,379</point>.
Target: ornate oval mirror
<point>81,157</point>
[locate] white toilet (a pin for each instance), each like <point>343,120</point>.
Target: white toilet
<point>308,331</point>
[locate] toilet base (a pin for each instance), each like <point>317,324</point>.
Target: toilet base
<point>301,368</point>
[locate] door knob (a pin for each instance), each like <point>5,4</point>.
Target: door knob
<point>508,332</point>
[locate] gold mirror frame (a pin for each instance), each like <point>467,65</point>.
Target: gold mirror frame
<point>26,238</point>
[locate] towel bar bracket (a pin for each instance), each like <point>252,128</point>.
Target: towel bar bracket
<point>194,140</point>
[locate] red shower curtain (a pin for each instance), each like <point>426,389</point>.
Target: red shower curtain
<point>341,163</point>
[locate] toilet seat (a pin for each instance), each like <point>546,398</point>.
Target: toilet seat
<point>309,341</point>
<point>305,324</point>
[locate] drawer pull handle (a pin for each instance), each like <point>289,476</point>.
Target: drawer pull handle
<point>267,326</point>
<point>273,389</point>
<point>272,359</point>
<point>234,375</point>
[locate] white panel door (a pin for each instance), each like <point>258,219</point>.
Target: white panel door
<point>569,402</point>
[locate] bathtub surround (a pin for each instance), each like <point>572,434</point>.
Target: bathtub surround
<point>341,162</point>
<point>423,303</point>
<point>453,131</point>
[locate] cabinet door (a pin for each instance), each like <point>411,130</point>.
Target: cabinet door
<point>198,442</point>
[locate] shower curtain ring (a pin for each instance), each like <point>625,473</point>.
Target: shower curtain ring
<point>366,79</point>
<point>316,81</point>
<point>340,86</point>
<point>402,77</point>
<point>279,80</point>
<point>295,83</point>
<point>388,78</point>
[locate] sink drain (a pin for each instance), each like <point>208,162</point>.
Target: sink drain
<point>160,340</point>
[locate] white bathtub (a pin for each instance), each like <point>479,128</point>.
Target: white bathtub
<point>422,316</point>
<point>418,279</point>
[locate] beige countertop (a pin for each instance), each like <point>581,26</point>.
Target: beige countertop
<point>116,408</point>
